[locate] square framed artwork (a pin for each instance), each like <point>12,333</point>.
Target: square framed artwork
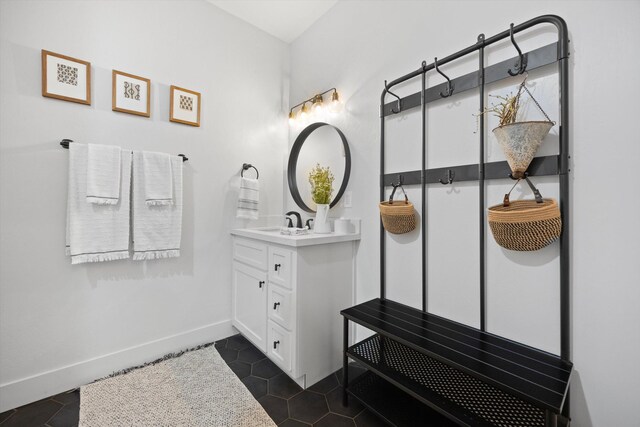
<point>130,94</point>
<point>66,78</point>
<point>185,106</point>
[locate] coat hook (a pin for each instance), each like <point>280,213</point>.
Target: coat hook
<point>393,94</point>
<point>450,175</point>
<point>449,91</point>
<point>521,64</point>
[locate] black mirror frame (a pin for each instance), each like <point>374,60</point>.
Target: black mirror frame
<point>293,160</point>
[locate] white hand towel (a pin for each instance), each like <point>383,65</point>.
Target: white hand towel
<point>103,174</point>
<point>96,232</point>
<point>248,198</point>
<point>158,182</point>
<point>157,229</point>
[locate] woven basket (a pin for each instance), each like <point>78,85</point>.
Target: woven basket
<point>398,217</point>
<point>525,225</point>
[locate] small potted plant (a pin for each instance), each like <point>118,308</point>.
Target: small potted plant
<point>519,139</point>
<point>321,180</point>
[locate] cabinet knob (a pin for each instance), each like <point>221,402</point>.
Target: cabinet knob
<point>260,283</point>
<point>277,266</point>
<point>275,344</point>
<point>275,305</point>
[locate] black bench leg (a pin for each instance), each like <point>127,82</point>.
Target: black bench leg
<point>345,363</point>
<point>551,419</point>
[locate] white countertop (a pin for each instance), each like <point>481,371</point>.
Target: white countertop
<point>272,234</point>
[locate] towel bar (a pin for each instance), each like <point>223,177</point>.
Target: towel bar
<point>65,144</point>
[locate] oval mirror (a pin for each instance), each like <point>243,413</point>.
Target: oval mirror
<point>324,144</point>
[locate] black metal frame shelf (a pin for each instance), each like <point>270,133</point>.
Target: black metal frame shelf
<point>489,380</point>
<point>459,368</point>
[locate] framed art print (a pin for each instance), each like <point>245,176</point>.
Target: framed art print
<point>66,78</point>
<point>130,94</point>
<point>185,106</point>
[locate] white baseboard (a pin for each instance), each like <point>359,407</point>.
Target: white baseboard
<point>36,387</point>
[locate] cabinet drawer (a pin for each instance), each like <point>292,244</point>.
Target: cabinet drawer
<point>280,345</point>
<point>280,266</point>
<point>250,252</point>
<point>280,307</point>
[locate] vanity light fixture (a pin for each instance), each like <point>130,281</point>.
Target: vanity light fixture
<point>317,105</point>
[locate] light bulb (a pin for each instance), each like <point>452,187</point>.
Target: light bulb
<point>335,104</point>
<point>292,117</point>
<point>304,111</point>
<point>317,104</point>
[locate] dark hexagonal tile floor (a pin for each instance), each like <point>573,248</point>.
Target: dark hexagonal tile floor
<point>285,402</point>
<point>241,369</point>
<point>283,386</point>
<point>59,410</point>
<point>265,369</point>
<point>257,386</point>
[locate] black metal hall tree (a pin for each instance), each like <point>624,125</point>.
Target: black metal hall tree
<point>425,368</point>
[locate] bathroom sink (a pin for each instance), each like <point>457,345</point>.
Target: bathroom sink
<point>273,235</point>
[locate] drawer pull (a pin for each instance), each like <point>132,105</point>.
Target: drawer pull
<point>275,305</point>
<point>260,283</point>
<point>277,266</point>
<point>275,344</point>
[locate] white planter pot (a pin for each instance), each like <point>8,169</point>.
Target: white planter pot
<point>321,224</point>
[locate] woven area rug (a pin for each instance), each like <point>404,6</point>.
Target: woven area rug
<point>195,389</point>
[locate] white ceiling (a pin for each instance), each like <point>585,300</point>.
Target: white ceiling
<point>284,19</point>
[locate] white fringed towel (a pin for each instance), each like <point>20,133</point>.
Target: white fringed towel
<point>103,174</point>
<point>248,198</point>
<point>96,232</point>
<point>157,229</point>
<point>158,181</point>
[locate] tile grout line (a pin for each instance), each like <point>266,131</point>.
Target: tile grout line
<point>56,413</point>
<point>12,414</point>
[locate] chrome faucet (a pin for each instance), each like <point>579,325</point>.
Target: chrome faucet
<point>298,219</point>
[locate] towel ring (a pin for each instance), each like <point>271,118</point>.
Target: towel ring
<point>246,166</point>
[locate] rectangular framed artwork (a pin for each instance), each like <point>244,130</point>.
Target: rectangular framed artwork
<point>185,106</point>
<point>130,94</point>
<point>66,78</point>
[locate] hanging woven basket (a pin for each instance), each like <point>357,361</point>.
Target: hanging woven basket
<point>525,225</point>
<point>398,217</point>
<point>520,142</point>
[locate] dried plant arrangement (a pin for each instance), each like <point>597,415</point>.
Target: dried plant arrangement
<point>321,180</point>
<point>507,109</point>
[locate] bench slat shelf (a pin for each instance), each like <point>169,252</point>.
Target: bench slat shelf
<point>464,399</point>
<point>532,375</point>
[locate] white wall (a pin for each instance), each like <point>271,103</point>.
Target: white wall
<point>62,325</point>
<point>357,45</point>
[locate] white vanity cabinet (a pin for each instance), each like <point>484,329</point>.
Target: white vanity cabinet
<point>287,300</point>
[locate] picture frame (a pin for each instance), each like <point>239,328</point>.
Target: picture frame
<point>130,94</point>
<point>185,106</point>
<point>66,78</point>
